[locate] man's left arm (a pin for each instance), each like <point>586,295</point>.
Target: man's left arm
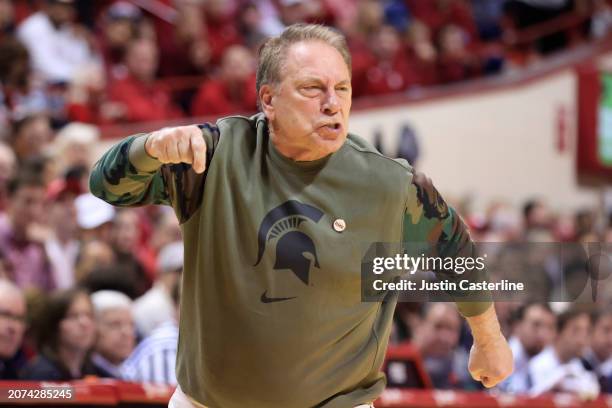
<point>430,220</point>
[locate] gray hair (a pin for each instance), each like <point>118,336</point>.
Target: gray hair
<point>104,300</point>
<point>273,52</point>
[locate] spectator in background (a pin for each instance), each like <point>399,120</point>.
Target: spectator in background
<point>166,230</point>
<point>269,23</point>
<point>252,25</point>
<point>119,25</point>
<point>93,254</point>
<point>31,136</point>
<point>18,98</point>
<point>598,357</point>
<point>7,18</point>
<point>437,338</point>
<point>58,46</point>
<point>62,245</point>
<point>455,61</point>
<point>73,146</point>
<point>95,218</point>
<point>87,98</point>
<point>156,306</point>
<point>558,367</point>
<point>130,251</point>
<point>42,165</point>
<point>65,334</point>
<point>184,46</point>
<point>302,11</point>
<point>8,167</point>
<point>154,359</point>
<point>390,70</point>
<point>116,335</point>
<point>116,277</point>
<point>12,328</point>
<point>368,20</point>
<point>144,100</point>
<point>422,52</point>
<point>537,221</point>
<point>437,14</point>
<point>27,262</point>
<point>601,22</point>
<point>533,331</point>
<point>221,29</point>
<point>585,226</point>
<point>234,89</point>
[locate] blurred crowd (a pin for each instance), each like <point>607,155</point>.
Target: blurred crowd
<point>112,61</point>
<point>87,289</point>
<point>557,346</point>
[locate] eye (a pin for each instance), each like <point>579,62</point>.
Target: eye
<point>311,90</point>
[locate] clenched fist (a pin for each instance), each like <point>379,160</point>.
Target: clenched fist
<point>491,362</point>
<point>491,359</point>
<point>183,144</point>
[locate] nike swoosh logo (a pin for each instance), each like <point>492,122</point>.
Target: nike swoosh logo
<point>266,299</point>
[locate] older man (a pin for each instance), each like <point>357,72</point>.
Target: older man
<point>12,327</point>
<point>116,332</point>
<point>271,207</point>
<point>437,338</point>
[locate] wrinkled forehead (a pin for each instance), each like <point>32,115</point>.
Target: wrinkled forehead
<point>315,59</point>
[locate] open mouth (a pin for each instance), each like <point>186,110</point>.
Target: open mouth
<point>332,126</point>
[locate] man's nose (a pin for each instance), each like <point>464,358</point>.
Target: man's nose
<point>331,103</point>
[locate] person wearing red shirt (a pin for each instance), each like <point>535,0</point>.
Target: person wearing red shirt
<point>455,62</point>
<point>221,29</point>
<point>439,13</point>
<point>143,99</point>
<point>233,90</point>
<point>391,70</point>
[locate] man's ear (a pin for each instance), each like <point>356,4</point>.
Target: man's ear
<point>266,98</point>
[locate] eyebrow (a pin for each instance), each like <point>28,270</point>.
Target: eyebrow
<point>319,81</point>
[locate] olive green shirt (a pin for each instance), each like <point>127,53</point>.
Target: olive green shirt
<point>271,310</point>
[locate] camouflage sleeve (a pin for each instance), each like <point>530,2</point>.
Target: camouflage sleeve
<point>126,176</point>
<point>430,222</point>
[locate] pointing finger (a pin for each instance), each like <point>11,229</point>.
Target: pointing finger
<point>172,151</point>
<point>184,150</point>
<point>198,149</point>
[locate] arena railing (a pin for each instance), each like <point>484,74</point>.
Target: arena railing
<point>108,393</point>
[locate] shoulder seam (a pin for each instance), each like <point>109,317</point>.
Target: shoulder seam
<point>233,116</point>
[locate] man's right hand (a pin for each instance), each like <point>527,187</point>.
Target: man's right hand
<point>183,144</point>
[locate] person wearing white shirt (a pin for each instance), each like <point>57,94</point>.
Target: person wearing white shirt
<point>155,306</point>
<point>154,359</point>
<point>57,50</point>
<point>599,355</point>
<point>558,368</point>
<point>533,330</point>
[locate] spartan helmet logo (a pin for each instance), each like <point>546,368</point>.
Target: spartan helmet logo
<point>283,223</point>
